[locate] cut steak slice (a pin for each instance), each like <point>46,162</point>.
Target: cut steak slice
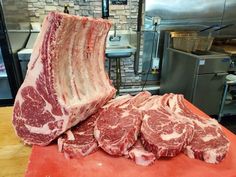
<point>66,81</point>
<point>118,101</point>
<point>140,155</point>
<point>141,97</point>
<point>79,141</point>
<point>209,142</point>
<point>155,102</point>
<point>163,134</point>
<point>118,126</point>
<point>117,129</point>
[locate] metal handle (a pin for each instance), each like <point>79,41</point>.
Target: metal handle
<point>221,74</point>
<point>225,26</point>
<point>205,29</point>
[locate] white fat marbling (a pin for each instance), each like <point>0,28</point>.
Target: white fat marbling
<point>97,134</point>
<point>39,130</point>
<point>60,142</point>
<point>145,117</point>
<point>210,156</point>
<point>189,152</point>
<point>125,113</point>
<point>170,136</point>
<point>137,155</point>
<point>70,135</point>
<point>208,138</point>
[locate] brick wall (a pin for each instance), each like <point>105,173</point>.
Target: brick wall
<point>16,14</point>
<point>125,16</point>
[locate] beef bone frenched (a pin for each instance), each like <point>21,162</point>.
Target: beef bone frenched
<point>66,80</point>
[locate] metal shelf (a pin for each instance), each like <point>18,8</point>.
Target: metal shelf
<point>229,109</point>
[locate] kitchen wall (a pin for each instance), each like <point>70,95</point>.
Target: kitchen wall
<point>17,22</point>
<point>16,14</point>
<point>124,15</point>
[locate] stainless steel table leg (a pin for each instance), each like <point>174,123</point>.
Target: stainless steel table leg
<point>109,68</point>
<point>119,72</point>
<point>117,76</point>
<point>223,102</point>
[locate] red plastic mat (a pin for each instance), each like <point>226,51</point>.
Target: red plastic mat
<point>48,162</point>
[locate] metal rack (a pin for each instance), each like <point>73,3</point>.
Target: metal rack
<point>229,108</point>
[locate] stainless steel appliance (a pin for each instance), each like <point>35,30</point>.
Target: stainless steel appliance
<point>184,15</point>
<point>200,78</point>
<point>10,22</point>
<point>229,49</point>
<point>25,53</point>
<point>191,15</point>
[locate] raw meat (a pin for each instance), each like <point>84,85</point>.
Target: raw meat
<point>161,132</point>
<point>141,97</point>
<point>155,102</point>
<point>118,101</point>
<point>209,142</point>
<point>66,80</point>
<point>140,155</point>
<point>79,141</point>
<point>118,126</point>
<point>117,130</point>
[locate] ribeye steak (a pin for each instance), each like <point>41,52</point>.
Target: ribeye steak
<point>79,141</point>
<point>209,142</point>
<point>66,80</point>
<point>162,133</point>
<point>118,125</point>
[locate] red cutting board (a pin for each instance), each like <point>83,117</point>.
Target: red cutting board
<point>48,162</point>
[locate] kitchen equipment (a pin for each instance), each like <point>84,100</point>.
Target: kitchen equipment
<point>25,53</point>
<point>44,161</point>
<point>230,49</point>
<point>183,15</point>
<point>192,15</point>
<point>185,41</point>
<point>35,26</point>
<point>200,78</point>
<point>190,41</point>
<point>120,51</point>
<point>204,43</point>
<point>105,8</point>
<point>228,108</point>
<point>9,73</point>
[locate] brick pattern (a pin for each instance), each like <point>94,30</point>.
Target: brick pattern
<point>125,16</point>
<point>16,14</point>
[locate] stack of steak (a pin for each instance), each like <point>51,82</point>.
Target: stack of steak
<point>67,94</point>
<point>151,128</point>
